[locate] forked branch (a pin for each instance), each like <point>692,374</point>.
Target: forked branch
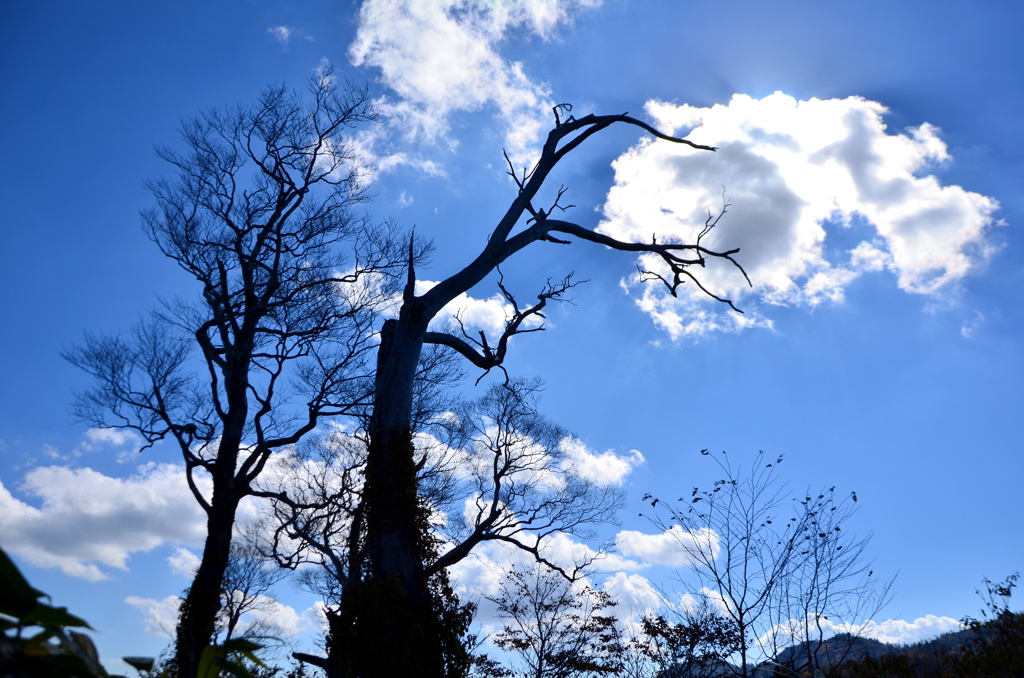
<point>677,256</point>
<point>480,352</point>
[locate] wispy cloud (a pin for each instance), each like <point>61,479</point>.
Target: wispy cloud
<point>284,34</point>
<point>971,325</point>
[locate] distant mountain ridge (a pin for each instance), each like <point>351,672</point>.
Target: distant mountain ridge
<point>837,651</point>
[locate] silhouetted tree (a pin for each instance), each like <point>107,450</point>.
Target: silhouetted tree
<point>779,580</point>
<point>261,215</point>
<point>281,336</point>
<point>496,468</point>
<point>397,570</point>
<point>829,588</point>
<point>399,628</point>
<point>996,647</point>
<point>698,645</point>
<point>556,631</point>
<point>248,579</point>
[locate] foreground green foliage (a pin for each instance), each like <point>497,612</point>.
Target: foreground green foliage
<point>37,639</point>
<point>38,642</point>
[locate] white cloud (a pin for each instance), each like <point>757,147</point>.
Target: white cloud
<point>98,437</point>
<point>971,325</point>
<point>673,547</point>
<point>489,315</point>
<point>789,167</point>
<point>378,155</point>
<point>283,34</point>
<point>891,631</point>
<point>441,56</point>
<point>87,518</point>
<point>274,617</point>
<point>183,562</point>
<point>315,616</point>
<point>161,615</point>
<point>902,632</point>
<point>52,452</point>
<point>127,443</point>
<point>635,595</point>
<point>603,469</point>
<point>479,574</point>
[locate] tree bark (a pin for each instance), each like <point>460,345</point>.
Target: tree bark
<point>393,540</point>
<point>196,623</point>
<point>390,621</point>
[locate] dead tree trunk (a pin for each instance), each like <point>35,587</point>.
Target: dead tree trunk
<point>393,625</point>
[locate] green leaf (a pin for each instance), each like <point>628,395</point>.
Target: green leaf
<point>16,596</point>
<point>46,615</point>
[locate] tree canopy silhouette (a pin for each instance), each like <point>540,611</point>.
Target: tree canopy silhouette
<point>287,331</point>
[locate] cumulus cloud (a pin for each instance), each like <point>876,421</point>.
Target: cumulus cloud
<point>269,615</point>
<point>315,616</point>
<point>127,443</point>
<point>441,56</point>
<point>603,469</point>
<point>479,576</point>
<point>673,547</point>
<point>97,437</point>
<point>902,632</point>
<point>891,631</point>
<point>791,168</point>
<point>87,518</point>
<point>635,595</point>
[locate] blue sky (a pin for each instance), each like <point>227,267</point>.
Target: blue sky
<point>882,350</point>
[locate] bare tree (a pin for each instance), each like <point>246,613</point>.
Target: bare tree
<point>521,484</point>
<point>494,469</point>
<point>739,550</point>
<point>830,593</point>
<point>780,579</point>
<point>556,631</point>
<point>284,328</point>
<point>397,569</point>
<point>248,579</point>
<point>262,215</point>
